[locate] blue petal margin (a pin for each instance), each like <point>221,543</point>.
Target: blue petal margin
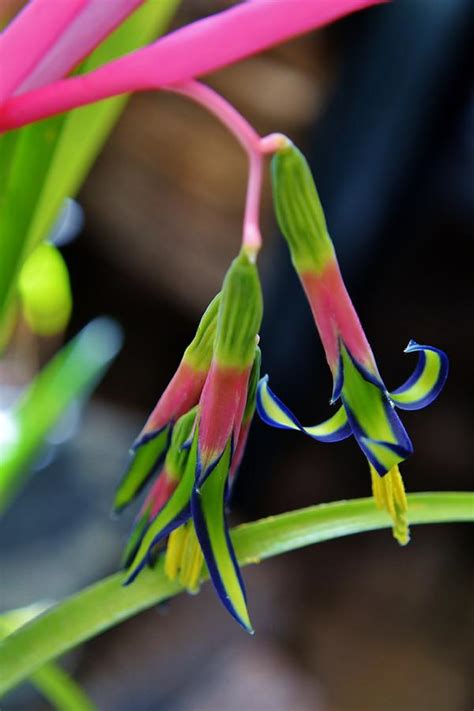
<point>207,550</point>
<point>183,516</point>
<point>427,380</point>
<point>381,454</point>
<point>276,414</point>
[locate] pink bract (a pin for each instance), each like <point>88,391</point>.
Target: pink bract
<point>197,49</point>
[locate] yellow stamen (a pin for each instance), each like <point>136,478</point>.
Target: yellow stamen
<point>191,561</point>
<point>184,557</point>
<point>389,494</point>
<point>174,552</point>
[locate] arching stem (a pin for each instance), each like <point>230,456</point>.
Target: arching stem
<point>254,146</point>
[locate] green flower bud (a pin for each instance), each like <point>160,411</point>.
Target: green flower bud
<point>240,314</point>
<point>199,352</point>
<point>299,211</point>
<point>178,452</point>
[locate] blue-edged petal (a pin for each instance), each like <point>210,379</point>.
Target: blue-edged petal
<point>175,512</point>
<point>145,461</point>
<point>208,509</point>
<point>373,419</point>
<point>338,382</point>
<point>273,412</point>
<point>427,380</point>
<point>368,375</point>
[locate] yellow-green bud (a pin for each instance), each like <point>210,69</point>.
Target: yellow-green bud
<point>45,291</point>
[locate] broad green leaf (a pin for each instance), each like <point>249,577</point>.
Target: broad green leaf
<point>42,164</point>
<point>107,603</point>
<point>70,375</point>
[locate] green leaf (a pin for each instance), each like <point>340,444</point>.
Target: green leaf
<point>71,374</point>
<point>44,163</point>
<point>51,681</point>
<point>107,603</point>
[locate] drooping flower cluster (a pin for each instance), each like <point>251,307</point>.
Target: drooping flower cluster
<point>194,441</point>
<point>367,408</point>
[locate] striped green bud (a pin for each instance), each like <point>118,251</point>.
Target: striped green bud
<point>177,454</point>
<point>299,211</point>
<point>199,352</point>
<point>240,314</point>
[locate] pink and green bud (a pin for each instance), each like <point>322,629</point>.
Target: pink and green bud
<point>182,394</point>
<point>301,219</point>
<point>247,418</point>
<point>185,387</point>
<point>165,485</point>
<point>224,395</point>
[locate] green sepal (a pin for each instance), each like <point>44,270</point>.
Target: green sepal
<point>208,507</point>
<point>136,535</point>
<point>148,456</point>
<point>240,314</point>
<point>144,462</point>
<point>199,352</point>
<point>252,387</point>
<point>170,514</point>
<point>299,211</point>
<point>177,454</point>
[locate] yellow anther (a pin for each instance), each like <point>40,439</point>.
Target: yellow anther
<point>389,494</point>
<point>184,557</point>
<point>191,561</point>
<point>174,552</point>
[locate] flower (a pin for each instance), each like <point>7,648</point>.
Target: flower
<point>182,394</point>
<point>367,409</point>
<point>205,449</point>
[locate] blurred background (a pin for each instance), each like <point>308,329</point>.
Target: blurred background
<point>382,104</point>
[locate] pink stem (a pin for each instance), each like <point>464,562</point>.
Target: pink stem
<point>250,142</point>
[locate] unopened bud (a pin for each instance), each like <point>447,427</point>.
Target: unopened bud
<point>299,211</point>
<point>199,352</point>
<point>240,314</point>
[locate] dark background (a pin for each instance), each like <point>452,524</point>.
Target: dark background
<point>382,105</point>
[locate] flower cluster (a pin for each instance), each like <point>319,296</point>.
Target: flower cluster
<point>194,439</point>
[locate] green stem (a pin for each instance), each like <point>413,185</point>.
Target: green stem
<point>60,690</point>
<point>107,602</point>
